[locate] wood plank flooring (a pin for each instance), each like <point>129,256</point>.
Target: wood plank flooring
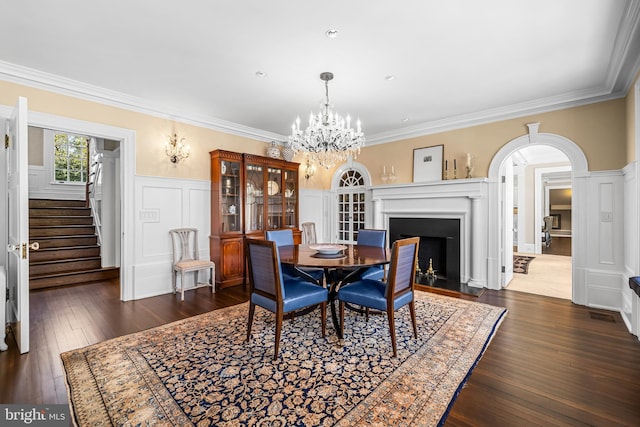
<point>551,363</point>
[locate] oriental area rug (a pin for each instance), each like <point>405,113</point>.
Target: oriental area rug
<point>521,263</point>
<point>201,371</point>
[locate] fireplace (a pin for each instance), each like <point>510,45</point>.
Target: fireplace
<point>439,245</point>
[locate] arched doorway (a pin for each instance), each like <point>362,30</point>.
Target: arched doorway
<point>498,250</point>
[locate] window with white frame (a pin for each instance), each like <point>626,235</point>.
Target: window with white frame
<point>70,157</point>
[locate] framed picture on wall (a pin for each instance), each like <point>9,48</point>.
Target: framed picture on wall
<point>427,163</point>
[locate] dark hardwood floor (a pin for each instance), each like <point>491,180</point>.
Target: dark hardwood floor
<point>550,363</point>
<point>558,246</point>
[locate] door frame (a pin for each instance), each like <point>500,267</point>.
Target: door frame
<point>127,139</point>
<point>579,170</point>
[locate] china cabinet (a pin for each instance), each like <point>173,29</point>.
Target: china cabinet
<point>249,195</point>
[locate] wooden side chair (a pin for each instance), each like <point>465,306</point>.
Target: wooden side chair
<point>186,259</point>
<point>309,233</point>
<point>271,291</point>
<point>390,296</point>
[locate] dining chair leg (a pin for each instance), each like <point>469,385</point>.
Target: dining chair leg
<point>341,309</point>
<point>279,318</point>
<point>252,309</point>
<point>366,314</point>
<point>182,286</point>
<point>412,310</point>
<point>323,318</point>
<point>392,330</point>
<point>173,280</point>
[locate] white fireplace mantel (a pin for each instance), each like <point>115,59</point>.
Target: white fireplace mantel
<point>463,199</point>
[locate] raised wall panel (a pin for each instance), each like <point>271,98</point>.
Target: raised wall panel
<point>605,223</point>
<point>162,204</point>
<point>312,209</point>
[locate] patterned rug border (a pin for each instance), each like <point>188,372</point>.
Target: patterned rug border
<point>418,408</point>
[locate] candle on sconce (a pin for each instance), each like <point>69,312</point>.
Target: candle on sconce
<point>384,170</point>
<point>446,165</point>
<point>393,170</point>
<point>468,160</point>
<point>454,164</point>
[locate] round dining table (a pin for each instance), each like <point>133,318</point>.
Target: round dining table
<point>354,258</point>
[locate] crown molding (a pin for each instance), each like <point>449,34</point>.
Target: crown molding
<point>50,82</point>
<point>539,106</point>
<point>34,78</point>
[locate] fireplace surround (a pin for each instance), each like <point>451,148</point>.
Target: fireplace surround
<point>463,201</point>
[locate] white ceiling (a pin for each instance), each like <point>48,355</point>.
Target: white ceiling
<point>539,154</point>
<point>456,62</point>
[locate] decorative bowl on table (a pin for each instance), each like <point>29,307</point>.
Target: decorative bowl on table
<point>328,249</point>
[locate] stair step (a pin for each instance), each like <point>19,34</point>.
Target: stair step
<point>61,230</point>
<point>63,253</point>
<point>59,211</point>
<point>73,278</point>
<point>65,266</point>
<point>64,241</point>
<point>43,203</point>
<point>60,220</point>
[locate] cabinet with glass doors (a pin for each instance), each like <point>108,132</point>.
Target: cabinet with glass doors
<point>249,195</point>
<point>226,240</point>
<point>271,201</point>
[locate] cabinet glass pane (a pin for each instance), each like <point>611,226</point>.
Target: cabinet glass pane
<point>290,198</point>
<point>231,193</point>
<point>254,202</point>
<point>275,202</point>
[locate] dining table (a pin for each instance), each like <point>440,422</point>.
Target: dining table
<point>350,258</point>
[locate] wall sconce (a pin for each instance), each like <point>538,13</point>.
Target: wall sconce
<point>309,170</point>
<point>176,149</point>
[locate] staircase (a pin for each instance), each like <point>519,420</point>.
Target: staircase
<point>69,252</point>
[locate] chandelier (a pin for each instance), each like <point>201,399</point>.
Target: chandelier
<point>329,138</point>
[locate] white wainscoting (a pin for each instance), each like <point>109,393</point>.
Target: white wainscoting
<point>41,187</point>
<point>162,204</point>
<point>604,251</point>
<point>313,208</point>
<point>630,309</point>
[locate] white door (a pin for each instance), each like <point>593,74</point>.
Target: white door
<point>18,223</point>
<point>351,206</point>
<point>507,223</point>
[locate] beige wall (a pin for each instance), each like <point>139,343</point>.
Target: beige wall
<point>36,149</point>
<point>599,129</point>
<point>151,132</point>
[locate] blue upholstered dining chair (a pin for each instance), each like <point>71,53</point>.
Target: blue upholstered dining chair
<point>367,237</point>
<point>271,291</point>
<point>378,238</point>
<point>390,296</point>
<point>285,238</point>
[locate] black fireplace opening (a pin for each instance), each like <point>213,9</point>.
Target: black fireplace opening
<point>439,251</point>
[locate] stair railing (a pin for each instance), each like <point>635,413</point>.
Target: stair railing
<point>94,187</point>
